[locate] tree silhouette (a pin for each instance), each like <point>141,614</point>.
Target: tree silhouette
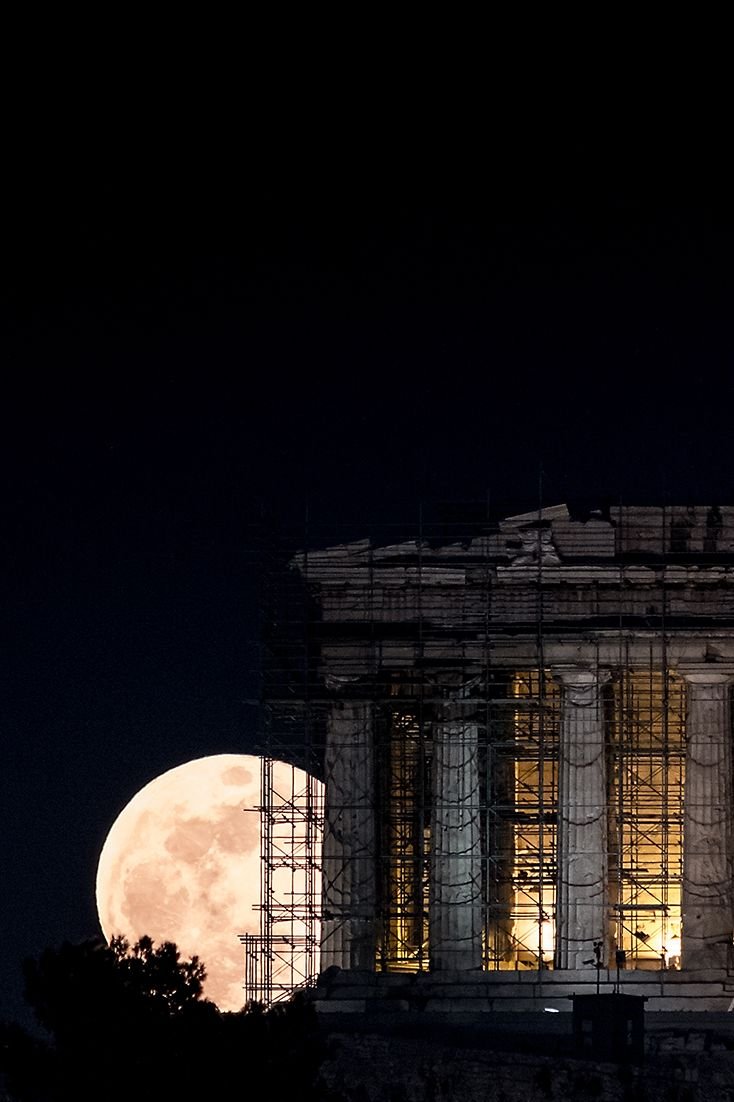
<point>78,990</point>
<point>159,975</point>
<point>130,1022</point>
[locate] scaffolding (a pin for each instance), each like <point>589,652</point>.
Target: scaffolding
<point>385,618</point>
<point>284,956</point>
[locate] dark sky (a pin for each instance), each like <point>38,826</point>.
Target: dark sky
<point>193,340</point>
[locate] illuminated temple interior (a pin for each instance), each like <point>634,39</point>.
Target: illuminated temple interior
<point>523,726</point>
<point>518,751</point>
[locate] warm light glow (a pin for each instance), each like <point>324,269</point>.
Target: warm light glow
<point>406,944</point>
<point>536,789</point>
<point>648,777</point>
<point>672,950</point>
<point>534,939</point>
<point>662,945</point>
<point>182,863</point>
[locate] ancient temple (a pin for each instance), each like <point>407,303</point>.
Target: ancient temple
<point>525,734</point>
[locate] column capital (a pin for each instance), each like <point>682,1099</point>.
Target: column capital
<point>705,675</point>
<point>342,682</point>
<point>581,684</point>
<point>569,674</point>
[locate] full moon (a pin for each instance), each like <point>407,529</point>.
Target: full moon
<point>182,863</point>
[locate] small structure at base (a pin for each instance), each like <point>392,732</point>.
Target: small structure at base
<point>610,1027</point>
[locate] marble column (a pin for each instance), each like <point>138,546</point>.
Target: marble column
<point>581,890</point>
<point>455,905</point>
<point>706,903</point>
<point>348,932</point>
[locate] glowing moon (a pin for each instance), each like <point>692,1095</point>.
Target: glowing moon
<point>182,863</point>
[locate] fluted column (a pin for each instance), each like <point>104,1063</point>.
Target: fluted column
<point>706,903</point>
<point>348,856</point>
<point>455,906</point>
<point>581,891</point>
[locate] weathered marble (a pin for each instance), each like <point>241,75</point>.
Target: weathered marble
<point>455,912</point>
<point>581,892</point>
<point>707,823</point>
<point>628,589</point>
<point>348,937</point>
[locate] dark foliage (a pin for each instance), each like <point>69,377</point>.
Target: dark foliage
<point>129,1022</point>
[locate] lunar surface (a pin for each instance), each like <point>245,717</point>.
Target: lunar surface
<point>182,863</point>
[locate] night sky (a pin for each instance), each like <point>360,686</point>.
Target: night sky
<point>194,342</point>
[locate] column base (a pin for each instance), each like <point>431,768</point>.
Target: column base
<point>456,961</point>
<point>705,957</point>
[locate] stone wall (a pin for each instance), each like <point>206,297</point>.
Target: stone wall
<point>371,1068</point>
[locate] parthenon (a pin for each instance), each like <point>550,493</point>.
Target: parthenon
<point>525,732</point>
